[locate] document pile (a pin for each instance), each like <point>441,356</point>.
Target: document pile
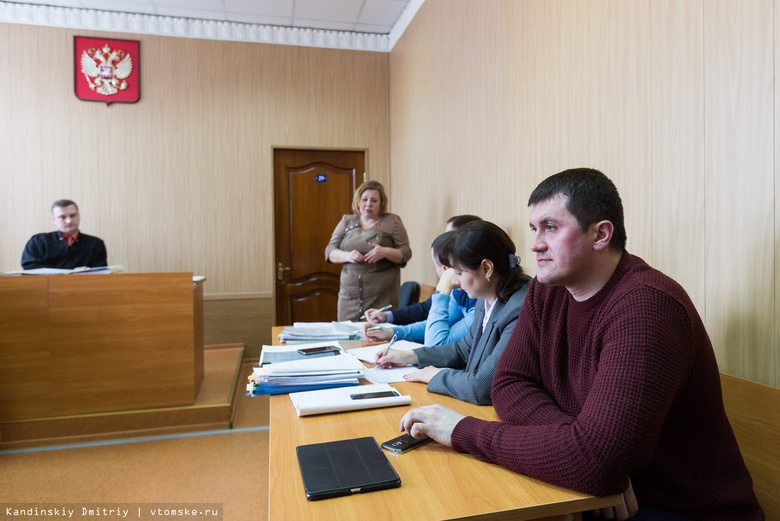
<point>61,271</point>
<point>320,332</point>
<point>284,369</point>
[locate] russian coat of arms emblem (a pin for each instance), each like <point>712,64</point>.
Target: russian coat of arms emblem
<point>107,70</point>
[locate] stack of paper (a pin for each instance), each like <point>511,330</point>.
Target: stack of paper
<point>320,331</point>
<point>347,399</point>
<point>305,374</point>
<point>61,271</point>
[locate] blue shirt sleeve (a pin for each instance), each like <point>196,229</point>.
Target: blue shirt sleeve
<point>413,332</point>
<point>447,320</point>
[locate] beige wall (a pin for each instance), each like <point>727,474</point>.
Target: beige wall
<point>673,99</point>
<point>181,180</point>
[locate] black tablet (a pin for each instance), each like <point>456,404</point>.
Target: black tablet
<point>340,468</point>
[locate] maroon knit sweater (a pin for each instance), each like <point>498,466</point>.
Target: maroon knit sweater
<point>622,384</point>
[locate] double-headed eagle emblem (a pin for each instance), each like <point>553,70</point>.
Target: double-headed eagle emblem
<point>106,70</point>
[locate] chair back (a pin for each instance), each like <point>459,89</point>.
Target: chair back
<point>754,413</point>
<point>426,291</point>
<point>410,293</point>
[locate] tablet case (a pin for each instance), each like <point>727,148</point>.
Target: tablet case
<point>340,468</point>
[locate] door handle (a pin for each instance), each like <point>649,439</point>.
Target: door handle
<point>280,269</point>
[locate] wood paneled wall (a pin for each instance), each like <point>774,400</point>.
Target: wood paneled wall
<point>181,180</point>
<point>673,99</point>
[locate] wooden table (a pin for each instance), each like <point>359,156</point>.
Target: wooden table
<point>436,482</point>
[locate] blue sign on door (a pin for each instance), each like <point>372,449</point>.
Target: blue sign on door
<point>321,178</point>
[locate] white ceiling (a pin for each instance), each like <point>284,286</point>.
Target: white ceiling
<point>357,24</point>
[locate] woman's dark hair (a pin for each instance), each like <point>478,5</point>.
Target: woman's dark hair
<point>480,240</point>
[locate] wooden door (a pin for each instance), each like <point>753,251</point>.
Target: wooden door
<point>312,190</point>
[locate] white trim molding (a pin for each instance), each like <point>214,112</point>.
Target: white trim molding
<point>112,21</point>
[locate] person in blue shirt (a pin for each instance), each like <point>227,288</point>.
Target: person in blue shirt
<point>482,257</point>
<point>419,310</point>
<point>450,316</point>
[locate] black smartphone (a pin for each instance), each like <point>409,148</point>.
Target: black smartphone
<point>405,443</point>
<point>319,350</point>
<point>377,394</point>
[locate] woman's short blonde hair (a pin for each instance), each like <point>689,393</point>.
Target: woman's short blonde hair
<point>370,185</point>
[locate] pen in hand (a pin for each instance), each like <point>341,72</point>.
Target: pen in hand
<point>384,308</point>
<point>387,349</point>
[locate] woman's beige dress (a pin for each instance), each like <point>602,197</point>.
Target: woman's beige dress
<point>365,285</point>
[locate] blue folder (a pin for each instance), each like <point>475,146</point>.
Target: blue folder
<point>286,389</point>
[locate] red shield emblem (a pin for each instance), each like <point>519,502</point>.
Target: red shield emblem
<point>107,70</point>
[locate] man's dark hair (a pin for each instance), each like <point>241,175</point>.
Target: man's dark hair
<point>439,247</point>
<point>592,197</point>
<point>459,220</point>
<point>63,203</point>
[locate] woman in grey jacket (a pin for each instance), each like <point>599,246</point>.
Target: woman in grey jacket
<point>486,267</point>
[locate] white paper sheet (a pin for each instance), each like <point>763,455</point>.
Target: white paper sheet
<point>368,353</point>
<point>377,375</point>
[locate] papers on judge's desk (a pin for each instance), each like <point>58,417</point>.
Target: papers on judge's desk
<point>62,271</point>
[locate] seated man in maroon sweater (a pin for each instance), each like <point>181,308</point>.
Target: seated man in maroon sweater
<point>609,383</point>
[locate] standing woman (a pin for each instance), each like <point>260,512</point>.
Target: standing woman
<point>485,266</point>
<point>373,246</point>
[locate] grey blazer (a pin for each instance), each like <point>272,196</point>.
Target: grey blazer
<point>471,361</point>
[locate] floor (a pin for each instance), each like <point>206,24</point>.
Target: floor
<point>226,469</point>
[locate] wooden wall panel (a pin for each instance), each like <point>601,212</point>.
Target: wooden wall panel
<point>672,99</point>
<point>775,351</point>
<point>566,57</point>
<point>523,83</point>
<point>739,185</point>
<point>677,143</point>
<point>181,180</point>
<point>239,320</point>
<point>450,139</point>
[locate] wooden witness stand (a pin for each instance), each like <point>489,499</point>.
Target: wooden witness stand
<point>437,482</point>
<point>89,343</point>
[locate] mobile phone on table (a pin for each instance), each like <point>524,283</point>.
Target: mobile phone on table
<point>405,443</point>
<point>319,350</point>
<point>375,394</point>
